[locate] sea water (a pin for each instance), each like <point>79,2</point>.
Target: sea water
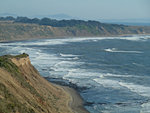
<point>114,71</point>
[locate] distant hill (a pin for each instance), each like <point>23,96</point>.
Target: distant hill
<point>21,28</point>
<point>23,90</point>
<point>131,22</point>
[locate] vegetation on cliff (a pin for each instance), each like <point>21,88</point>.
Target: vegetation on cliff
<point>23,90</point>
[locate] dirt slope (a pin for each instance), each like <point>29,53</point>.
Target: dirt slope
<point>23,90</point>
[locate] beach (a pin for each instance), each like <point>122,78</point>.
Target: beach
<point>76,102</point>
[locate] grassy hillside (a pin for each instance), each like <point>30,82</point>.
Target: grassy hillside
<point>23,90</point>
<point>19,31</point>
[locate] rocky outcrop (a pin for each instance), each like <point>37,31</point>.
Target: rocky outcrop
<point>21,61</point>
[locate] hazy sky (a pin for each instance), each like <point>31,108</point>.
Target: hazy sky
<point>89,9</point>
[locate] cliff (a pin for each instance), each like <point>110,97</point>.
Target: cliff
<point>21,31</point>
<point>23,90</point>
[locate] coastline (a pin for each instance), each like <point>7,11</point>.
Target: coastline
<point>75,103</point>
<point>63,37</point>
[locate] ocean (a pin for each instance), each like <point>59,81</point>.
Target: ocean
<point>112,73</point>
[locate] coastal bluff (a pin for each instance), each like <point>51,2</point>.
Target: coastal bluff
<point>13,31</point>
<point>23,90</point>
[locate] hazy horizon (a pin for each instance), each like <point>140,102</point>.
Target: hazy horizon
<point>85,9</point>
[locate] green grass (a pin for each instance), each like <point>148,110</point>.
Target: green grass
<point>21,55</point>
<point>7,64</point>
<point>10,103</point>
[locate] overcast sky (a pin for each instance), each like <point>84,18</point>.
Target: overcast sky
<point>88,9</point>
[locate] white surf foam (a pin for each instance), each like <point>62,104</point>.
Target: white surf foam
<point>139,89</point>
<point>115,75</point>
<point>65,66</point>
<point>145,108</point>
<point>67,40</point>
<point>70,73</point>
<point>68,55</point>
<point>108,83</point>
<point>136,38</point>
<point>120,51</point>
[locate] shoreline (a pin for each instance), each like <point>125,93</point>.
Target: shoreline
<point>64,37</point>
<point>76,103</point>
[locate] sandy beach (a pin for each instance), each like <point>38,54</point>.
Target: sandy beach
<point>76,102</point>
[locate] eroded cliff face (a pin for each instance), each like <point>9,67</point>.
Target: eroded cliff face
<point>21,61</point>
<point>23,90</point>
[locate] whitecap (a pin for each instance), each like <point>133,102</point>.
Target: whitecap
<point>145,107</point>
<point>121,51</point>
<point>139,89</point>
<point>68,55</point>
<point>108,83</point>
<point>115,75</point>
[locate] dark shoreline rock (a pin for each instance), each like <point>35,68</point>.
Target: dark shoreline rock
<point>63,82</point>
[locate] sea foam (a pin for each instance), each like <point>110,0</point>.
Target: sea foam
<point>121,51</point>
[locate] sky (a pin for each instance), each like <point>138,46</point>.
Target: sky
<point>86,9</point>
